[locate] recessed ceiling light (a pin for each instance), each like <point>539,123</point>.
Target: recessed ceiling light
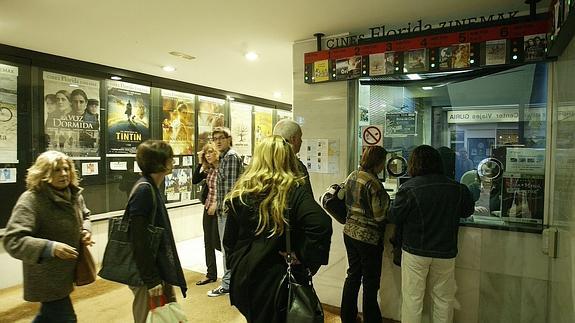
<point>251,56</point>
<point>427,88</point>
<point>116,78</point>
<point>74,85</point>
<point>182,55</point>
<point>277,94</point>
<point>168,68</point>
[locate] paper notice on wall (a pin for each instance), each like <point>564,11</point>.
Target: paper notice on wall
<point>89,169</point>
<point>7,175</point>
<point>320,155</point>
<point>119,165</point>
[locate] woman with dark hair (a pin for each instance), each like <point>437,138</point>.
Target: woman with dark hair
<point>428,208</point>
<point>159,273</point>
<point>79,100</point>
<point>367,203</point>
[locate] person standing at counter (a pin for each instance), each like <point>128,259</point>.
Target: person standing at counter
<point>429,207</point>
<point>367,203</point>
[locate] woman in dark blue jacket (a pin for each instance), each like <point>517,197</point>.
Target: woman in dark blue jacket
<point>429,207</point>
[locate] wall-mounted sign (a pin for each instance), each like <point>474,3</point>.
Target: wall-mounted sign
<point>8,114</point>
<point>372,135</point>
<point>483,116</point>
<point>400,124</point>
<point>507,43</point>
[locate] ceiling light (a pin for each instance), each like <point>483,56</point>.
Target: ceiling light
<point>74,85</point>
<point>251,56</point>
<point>414,76</point>
<point>116,78</point>
<point>230,98</point>
<point>182,55</point>
<point>277,95</point>
<point>168,68</point>
<point>427,88</point>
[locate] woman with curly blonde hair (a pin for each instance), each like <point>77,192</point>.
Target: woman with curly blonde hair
<point>45,230</point>
<point>268,197</point>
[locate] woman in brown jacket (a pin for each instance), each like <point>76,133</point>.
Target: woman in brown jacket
<point>45,230</point>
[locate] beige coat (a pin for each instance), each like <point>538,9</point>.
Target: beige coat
<point>37,218</point>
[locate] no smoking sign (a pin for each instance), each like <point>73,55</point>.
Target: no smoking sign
<point>372,135</point>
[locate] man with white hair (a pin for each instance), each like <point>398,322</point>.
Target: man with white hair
<point>291,131</point>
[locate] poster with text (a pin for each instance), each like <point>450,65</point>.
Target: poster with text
<point>377,64</point>
<point>210,115</point>
<point>522,199</point>
<point>400,124</point>
<point>534,47</point>
<point>321,71</point>
<point>128,116</point>
<point>495,52</point>
<point>320,155</point>
<point>415,61</point>
<point>241,127</point>
<point>282,114</point>
<point>179,184</point>
<point>178,121</point>
<point>72,115</point>
<point>8,114</point>
<point>262,123</point>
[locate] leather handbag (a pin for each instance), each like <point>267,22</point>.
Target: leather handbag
<point>303,305</point>
<point>204,192</point>
<point>333,201</point>
<point>118,264</point>
<point>85,267</point>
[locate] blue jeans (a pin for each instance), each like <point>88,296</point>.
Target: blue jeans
<point>58,311</point>
<point>227,272</point>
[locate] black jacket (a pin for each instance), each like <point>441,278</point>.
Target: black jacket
<point>256,265</point>
<point>429,208</point>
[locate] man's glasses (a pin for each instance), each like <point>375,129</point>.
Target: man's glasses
<point>219,138</point>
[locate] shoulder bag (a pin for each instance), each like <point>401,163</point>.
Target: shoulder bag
<point>118,264</point>
<point>303,305</point>
<point>85,266</point>
<point>333,201</point>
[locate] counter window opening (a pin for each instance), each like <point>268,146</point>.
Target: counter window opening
<point>489,129</point>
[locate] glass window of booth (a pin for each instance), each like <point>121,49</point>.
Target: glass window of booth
<point>490,130</point>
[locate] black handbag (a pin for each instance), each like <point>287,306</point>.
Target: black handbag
<point>118,264</point>
<point>303,305</point>
<point>333,201</point>
<point>204,192</point>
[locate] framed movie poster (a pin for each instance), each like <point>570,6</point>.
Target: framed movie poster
<point>241,127</point>
<point>210,115</point>
<point>72,115</point>
<point>415,61</point>
<point>128,116</point>
<point>178,121</point>
<point>321,71</point>
<point>377,64</point>
<point>495,52</point>
<point>8,114</point>
<point>262,123</point>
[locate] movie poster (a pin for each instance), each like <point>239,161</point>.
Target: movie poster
<point>262,123</point>
<point>8,114</point>
<point>495,52</point>
<point>178,121</point>
<point>415,61</point>
<point>534,47</point>
<point>377,64</point>
<point>178,185</point>
<point>282,114</point>
<point>128,116</point>
<point>241,127</point>
<point>210,115</point>
<point>348,68</point>
<point>453,57</point>
<point>72,115</point>
<point>321,71</point>
<point>522,199</point>
<point>389,67</point>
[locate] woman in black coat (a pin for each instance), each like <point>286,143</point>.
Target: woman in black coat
<point>269,195</point>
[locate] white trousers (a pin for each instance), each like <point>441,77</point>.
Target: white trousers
<point>439,276</point>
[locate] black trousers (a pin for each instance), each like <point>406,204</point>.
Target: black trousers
<point>364,267</point>
<point>211,243</point>
<point>58,311</point>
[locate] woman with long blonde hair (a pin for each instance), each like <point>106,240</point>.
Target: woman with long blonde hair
<point>268,197</point>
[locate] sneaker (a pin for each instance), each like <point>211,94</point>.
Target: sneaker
<point>220,291</point>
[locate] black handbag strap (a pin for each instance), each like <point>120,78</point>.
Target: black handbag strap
<point>154,210</point>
